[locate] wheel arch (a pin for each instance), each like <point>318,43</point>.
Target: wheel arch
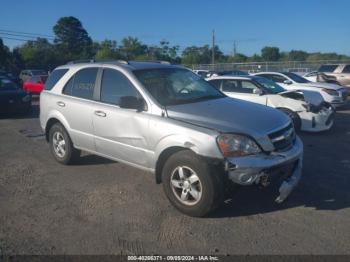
<point>53,119</point>
<point>163,157</point>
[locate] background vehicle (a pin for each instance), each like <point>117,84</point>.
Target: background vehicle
<point>12,98</point>
<point>316,76</point>
<point>305,115</point>
<point>167,120</point>
<point>341,72</point>
<point>202,73</point>
<point>331,93</point>
<point>27,74</point>
<point>35,84</point>
<point>10,76</point>
<point>227,72</point>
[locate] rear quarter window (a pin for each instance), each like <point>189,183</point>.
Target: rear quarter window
<point>327,68</point>
<point>54,77</point>
<point>346,69</point>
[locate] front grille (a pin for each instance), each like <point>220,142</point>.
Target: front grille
<point>284,138</point>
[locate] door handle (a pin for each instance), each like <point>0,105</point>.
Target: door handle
<point>100,113</point>
<point>61,104</point>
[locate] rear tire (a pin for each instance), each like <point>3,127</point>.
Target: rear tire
<point>61,145</point>
<point>293,116</point>
<point>191,184</point>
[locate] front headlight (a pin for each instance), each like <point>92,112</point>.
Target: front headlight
<point>26,98</point>
<point>330,91</point>
<point>232,145</point>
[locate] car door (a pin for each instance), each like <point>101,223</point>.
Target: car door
<point>243,89</point>
<point>120,133</point>
<point>76,105</point>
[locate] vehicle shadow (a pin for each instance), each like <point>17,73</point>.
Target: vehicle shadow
<point>325,182</point>
<point>88,159</point>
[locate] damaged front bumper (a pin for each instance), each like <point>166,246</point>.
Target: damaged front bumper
<point>252,169</point>
<point>316,122</point>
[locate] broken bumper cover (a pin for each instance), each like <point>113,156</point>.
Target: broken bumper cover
<point>248,170</point>
<point>316,122</point>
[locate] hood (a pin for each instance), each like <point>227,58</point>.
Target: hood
<point>230,115</point>
<point>322,85</point>
<point>312,97</point>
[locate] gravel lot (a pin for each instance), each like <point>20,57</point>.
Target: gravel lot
<point>102,207</point>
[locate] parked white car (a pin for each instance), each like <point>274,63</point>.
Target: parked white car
<point>311,76</point>
<point>331,93</point>
<point>203,73</point>
<point>306,108</point>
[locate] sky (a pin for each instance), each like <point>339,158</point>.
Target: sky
<point>310,25</point>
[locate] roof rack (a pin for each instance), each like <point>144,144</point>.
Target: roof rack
<point>154,61</point>
<point>96,61</point>
<point>114,61</point>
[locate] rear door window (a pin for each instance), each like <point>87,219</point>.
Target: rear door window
<point>82,84</point>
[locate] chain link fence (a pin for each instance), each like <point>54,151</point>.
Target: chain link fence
<point>254,67</point>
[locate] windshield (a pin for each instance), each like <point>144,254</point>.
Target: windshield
<point>172,86</point>
<point>7,84</point>
<point>297,78</point>
<point>268,85</point>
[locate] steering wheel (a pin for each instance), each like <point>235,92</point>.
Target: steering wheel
<point>184,89</point>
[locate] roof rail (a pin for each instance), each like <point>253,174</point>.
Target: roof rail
<point>97,61</point>
<point>114,61</point>
<point>81,61</point>
<point>154,61</point>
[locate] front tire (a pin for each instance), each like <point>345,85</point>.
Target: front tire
<point>191,185</point>
<point>293,116</point>
<point>61,145</point>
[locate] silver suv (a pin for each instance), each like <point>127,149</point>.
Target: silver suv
<point>169,121</point>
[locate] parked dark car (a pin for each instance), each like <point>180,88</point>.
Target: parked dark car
<point>12,98</point>
<point>9,75</point>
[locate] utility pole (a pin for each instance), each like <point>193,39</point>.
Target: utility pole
<point>213,49</point>
<point>234,48</point>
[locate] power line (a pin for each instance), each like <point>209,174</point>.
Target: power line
<point>25,33</point>
<point>18,35</point>
<point>18,39</point>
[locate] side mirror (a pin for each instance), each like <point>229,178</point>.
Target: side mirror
<point>132,102</point>
<point>257,91</point>
<point>287,82</point>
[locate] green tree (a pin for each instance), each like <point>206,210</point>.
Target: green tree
<point>5,56</point>
<point>254,58</point>
<point>131,48</point>
<point>201,55</point>
<point>237,58</point>
<point>269,53</point>
<point>297,55</point>
<point>71,39</point>
<point>107,49</point>
<point>38,54</point>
